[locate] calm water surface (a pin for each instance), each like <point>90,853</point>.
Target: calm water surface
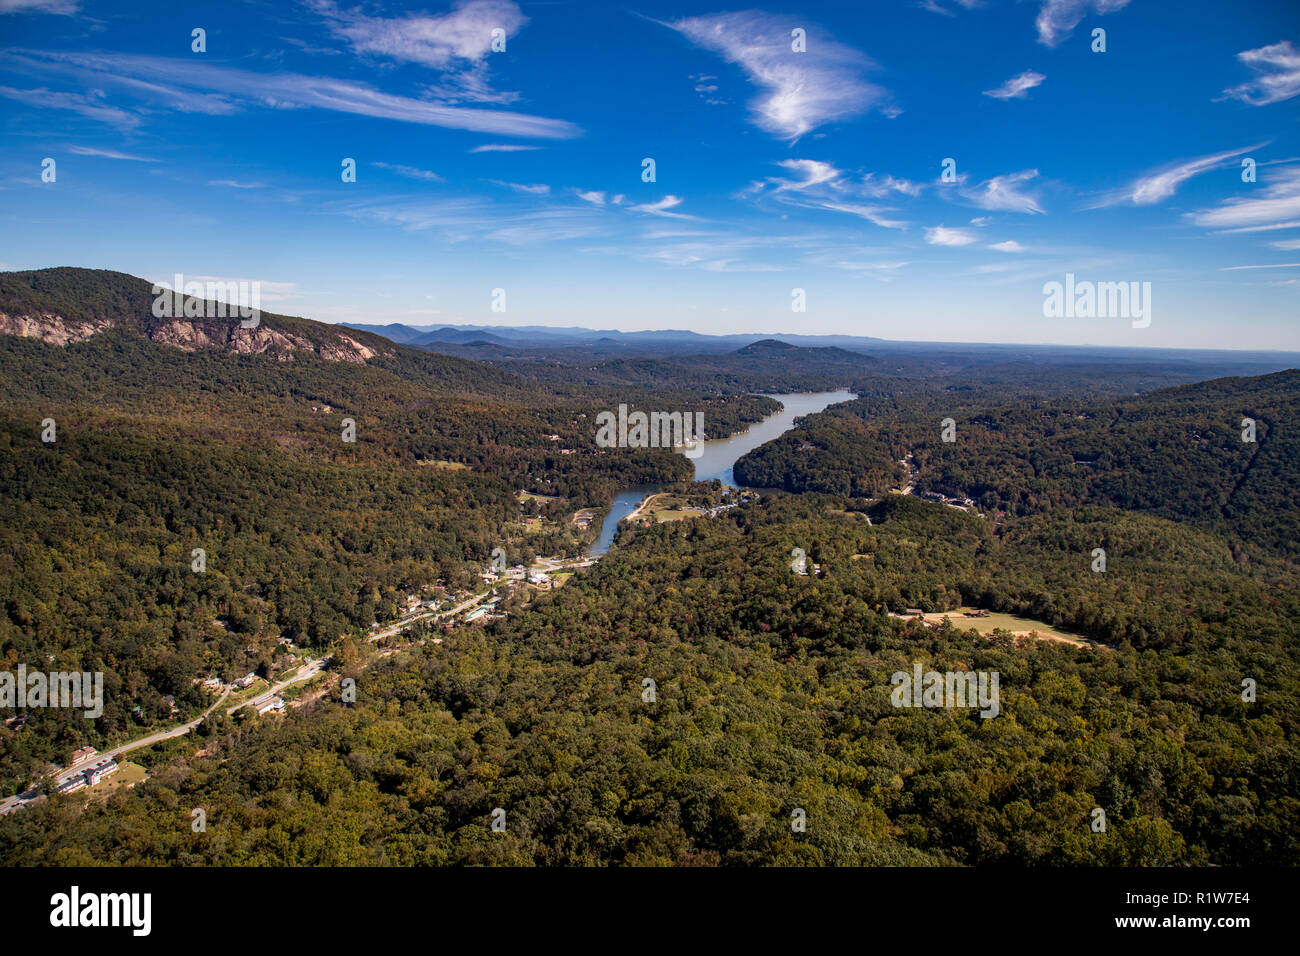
<point>719,455</point>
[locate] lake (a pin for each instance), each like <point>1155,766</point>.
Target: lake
<point>719,456</point>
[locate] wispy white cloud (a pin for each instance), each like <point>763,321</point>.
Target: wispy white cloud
<point>934,7</point>
<point>1159,185</point>
<point>807,173</point>
<point>1286,245</point>
<point>88,106</point>
<point>715,250</point>
<point>863,267</point>
<point>707,86</point>
<point>109,154</point>
<point>877,215</point>
<point>943,236</point>
<point>502,148</point>
<point>1277,75</point>
<point>235,184</point>
<point>813,184</point>
<point>662,207</point>
<point>1009,246</point>
<point>1279,203</point>
<point>411,172</point>
<point>1058,18</point>
<point>1271,265</point>
<point>177,79</point>
<point>63,7</point>
<point>533,189</point>
<point>467,219</point>
<point>800,91</point>
<point>593,197</point>
<point>1017,87</point>
<point>1004,193</point>
<point>458,43</point>
<point>1266,227</point>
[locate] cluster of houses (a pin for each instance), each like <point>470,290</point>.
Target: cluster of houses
<point>726,505</point>
<point>91,775</point>
<point>273,706</point>
<point>961,503</point>
<point>482,611</point>
<point>913,612</point>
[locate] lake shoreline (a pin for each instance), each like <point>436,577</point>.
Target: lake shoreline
<point>717,457</point>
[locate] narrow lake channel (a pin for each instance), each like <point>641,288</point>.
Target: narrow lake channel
<point>720,455</point>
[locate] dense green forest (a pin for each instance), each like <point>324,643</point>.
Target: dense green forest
<point>159,451</point>
<point>772,693</point>
<point>1178,453</point>
<point>772,688</point>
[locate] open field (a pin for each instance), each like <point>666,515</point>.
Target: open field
<point>128,775</point>
<point>1020,626</point>
<point>529,496</point>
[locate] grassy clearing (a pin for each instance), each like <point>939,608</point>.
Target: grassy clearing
<point>530,496</point>
<point>1005,622</point>
<point>128,775</point>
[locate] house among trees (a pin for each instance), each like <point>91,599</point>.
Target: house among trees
<point>101,770</point>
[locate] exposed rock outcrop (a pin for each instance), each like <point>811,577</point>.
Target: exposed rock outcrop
<point>51,329</point>
<point>194,334</point>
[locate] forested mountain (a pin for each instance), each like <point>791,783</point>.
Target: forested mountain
<point>159,450</point>
<point>1223,454</point>
<point>772,687</point>
<point>71,305</point>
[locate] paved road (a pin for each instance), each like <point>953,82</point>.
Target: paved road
<point>307,672</point>
<point>17,800</point>
<point>310,670</point>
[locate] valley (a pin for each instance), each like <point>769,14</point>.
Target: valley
<point>455,566</point>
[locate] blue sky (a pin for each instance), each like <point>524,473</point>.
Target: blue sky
<point>521,169</point>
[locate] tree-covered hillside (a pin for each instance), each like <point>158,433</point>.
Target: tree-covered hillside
<point>1180,453</point>
<point>157,451</point>
<point>772,694</point>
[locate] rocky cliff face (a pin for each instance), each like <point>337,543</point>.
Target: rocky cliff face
<point>194,334</point>
<point>51,329</point>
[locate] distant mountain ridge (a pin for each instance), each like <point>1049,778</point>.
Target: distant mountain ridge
<point>488,342</point>
<point>550,337</point>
